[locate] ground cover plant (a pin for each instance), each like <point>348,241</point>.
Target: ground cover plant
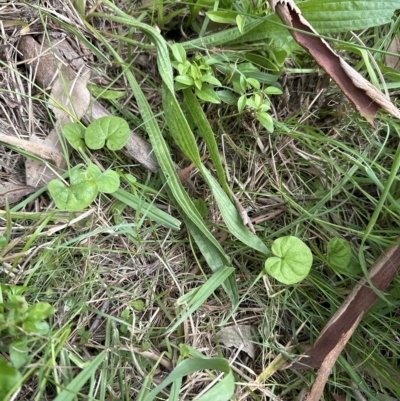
<point>188,196</point>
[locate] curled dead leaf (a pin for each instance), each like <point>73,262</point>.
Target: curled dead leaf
<point>366,98</point>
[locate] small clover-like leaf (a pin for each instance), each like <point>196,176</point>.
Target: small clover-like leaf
<point>74,133</point>
<point>114,130</point>
<point>108,182</point>
<point>339,255</point>
<point>80,194</point>
<point>292,262</point>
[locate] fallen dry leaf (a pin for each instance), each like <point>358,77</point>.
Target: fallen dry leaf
<point>12,193</point>
<point>238,336</point>
<point>70,97</point>
<point>39,174</point>
<point>366,98</point>
<point>393,61</point>
<point>35,149</point>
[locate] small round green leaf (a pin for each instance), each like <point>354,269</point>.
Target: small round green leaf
<point>108,182</point>
<point>339,255</point>
<point>292,261</point>
<point>74,133</point>
<point>80,194</point>
<point>114,130</point>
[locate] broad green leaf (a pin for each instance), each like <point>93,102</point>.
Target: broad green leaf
<point>107,182</point>
<point>185,80</point>
<point>71,390</point>
<point>19,355</point>
<point>101,93</point>
<point>81,192</point>
<point>292,262</point>
<point>9,377</point>
<point>240,22</point>
<point>254,83</point>
<point>40,311</point>
<point>227,96</point>
<point>222,17</point>
<point>207,94</point>
<point>339,254</point>
<point>211,80</point>
<point>74,133</point>
<point>347,15</point>
<point>179,52</point>
<point>114,130</point>
<point>223,391</point>
<point>272,90</point>
<point>266,120</point>
<point>241,103</point>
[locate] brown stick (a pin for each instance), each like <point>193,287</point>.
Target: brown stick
<point>353,309</point>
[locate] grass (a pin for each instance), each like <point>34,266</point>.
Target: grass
<point>134,296</point>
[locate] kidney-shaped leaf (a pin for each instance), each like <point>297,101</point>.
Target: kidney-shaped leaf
<point>114,130</point>
<point>81,192</point>
<point>74,133</point>
<point>339,255</point>
<point>107,182</point>
<point>292,260</point>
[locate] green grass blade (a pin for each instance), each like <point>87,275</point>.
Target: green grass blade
<point>148,210</point>
<point>207,134</point>
<point>223,392</point>
<point>69,393</point>
<point>202,293</point>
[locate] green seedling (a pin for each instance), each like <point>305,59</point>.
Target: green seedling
<point>19,323</point>
<point>80,193</point>
<point>292,261</point>
<point>196,73</point>
<point>85,183</point>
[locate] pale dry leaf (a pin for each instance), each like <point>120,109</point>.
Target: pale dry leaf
<point>13,193</point>
<point>70,97</point>
<point>238,336</point>
<point>366,98</point>
<point>393,61</point>
<point>38,174</point>
<point>35,149</point>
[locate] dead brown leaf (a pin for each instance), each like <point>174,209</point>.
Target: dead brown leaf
<point>238,336</point>
<point>35,149</point>
<point>393,61</point>
<point>69,96</point>
<point>12,193</point>
<point>366,98</point>
<point>38,174</point>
